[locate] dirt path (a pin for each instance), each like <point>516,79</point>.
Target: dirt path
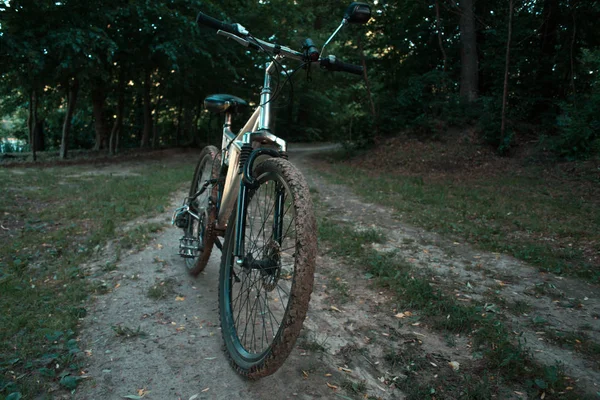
<point>345,348</point>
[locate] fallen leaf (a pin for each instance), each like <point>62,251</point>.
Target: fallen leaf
<point>327,375</point>
<point>331,386</point>
<point>194,397</point>
<point>334,308</point>
<point>305,374</point>
<point>210,358</point>
<point>117,285</point>
<point>344,369</point>
<point>205,390</point>
<point>454,365</point>
<point>179,298</point>
<point>400,315</point>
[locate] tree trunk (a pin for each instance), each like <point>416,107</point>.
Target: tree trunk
<point>38,136</point>
<point>573,91</point>
<point>98,97</point>
<point>469,65</point>
<point>545,79</point>
<point>147,110</point>
<point>439,31</point>
<point>506,65</point>
<point>195,130</point>
<point>155,124</point>
<point>32,122</point>
<point>178,130</point>
<point>72,91</point>
<point>366,78</point>
<point>118,125</point>
<point>188,124</point>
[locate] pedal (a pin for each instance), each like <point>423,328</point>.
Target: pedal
<point>189,247</point>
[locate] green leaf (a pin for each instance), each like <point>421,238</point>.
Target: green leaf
<point>70,382</point>
<point>541,384</point>
<point>54,336</point>
<point>14,396</point>
<point>539,320</point>
<point>48,372</point>
<point>11,362</point>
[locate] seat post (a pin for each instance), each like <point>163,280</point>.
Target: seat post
<point>228,118</point>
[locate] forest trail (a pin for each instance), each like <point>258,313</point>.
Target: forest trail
<point>155,333</point>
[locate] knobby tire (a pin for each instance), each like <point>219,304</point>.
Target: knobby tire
<point>251,296</point>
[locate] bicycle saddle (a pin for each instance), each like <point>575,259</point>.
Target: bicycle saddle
<point>219,103</point>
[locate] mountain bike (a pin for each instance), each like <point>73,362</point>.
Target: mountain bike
<point>248,193</point>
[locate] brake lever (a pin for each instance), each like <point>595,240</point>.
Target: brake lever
<point>238,39</point>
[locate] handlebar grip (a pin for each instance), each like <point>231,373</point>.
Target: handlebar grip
<point>203,19</point>
<point>333,64</point>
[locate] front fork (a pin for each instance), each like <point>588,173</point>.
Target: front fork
<point>248,183</point>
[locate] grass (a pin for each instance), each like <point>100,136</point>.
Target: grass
<point>503,357</point>
<point>315,344</point>
<point>549,224</point>
<point>341,289</point>
<point>54,220</point>
<point>162,289</point>
<point>127,332</point>
<point>579,342</point>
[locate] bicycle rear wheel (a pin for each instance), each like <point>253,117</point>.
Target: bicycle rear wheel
<point>263,298</point>
<point>202,229</point>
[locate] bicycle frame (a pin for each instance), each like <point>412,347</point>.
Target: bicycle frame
<point>256,131</point>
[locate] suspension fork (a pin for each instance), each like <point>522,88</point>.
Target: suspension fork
<point>278,214</point>
<point>247,183</point>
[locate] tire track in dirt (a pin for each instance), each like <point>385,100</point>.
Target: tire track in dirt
<point>343,350</point>
<point>554,302</point>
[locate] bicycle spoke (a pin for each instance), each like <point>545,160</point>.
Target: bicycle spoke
<point>257,316</point>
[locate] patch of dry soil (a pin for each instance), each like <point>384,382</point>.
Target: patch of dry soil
<point>347,349</point>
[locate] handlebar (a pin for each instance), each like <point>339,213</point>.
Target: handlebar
<point>242,36</point>
<point>206,20</point>
<point>331,63</point>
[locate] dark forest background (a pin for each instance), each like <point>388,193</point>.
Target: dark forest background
<point>109,75</point>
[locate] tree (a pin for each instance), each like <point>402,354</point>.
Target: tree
<point>469,69</point>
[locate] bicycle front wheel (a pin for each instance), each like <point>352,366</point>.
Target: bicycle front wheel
<point>264,295</point>
<point>200,229</point>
